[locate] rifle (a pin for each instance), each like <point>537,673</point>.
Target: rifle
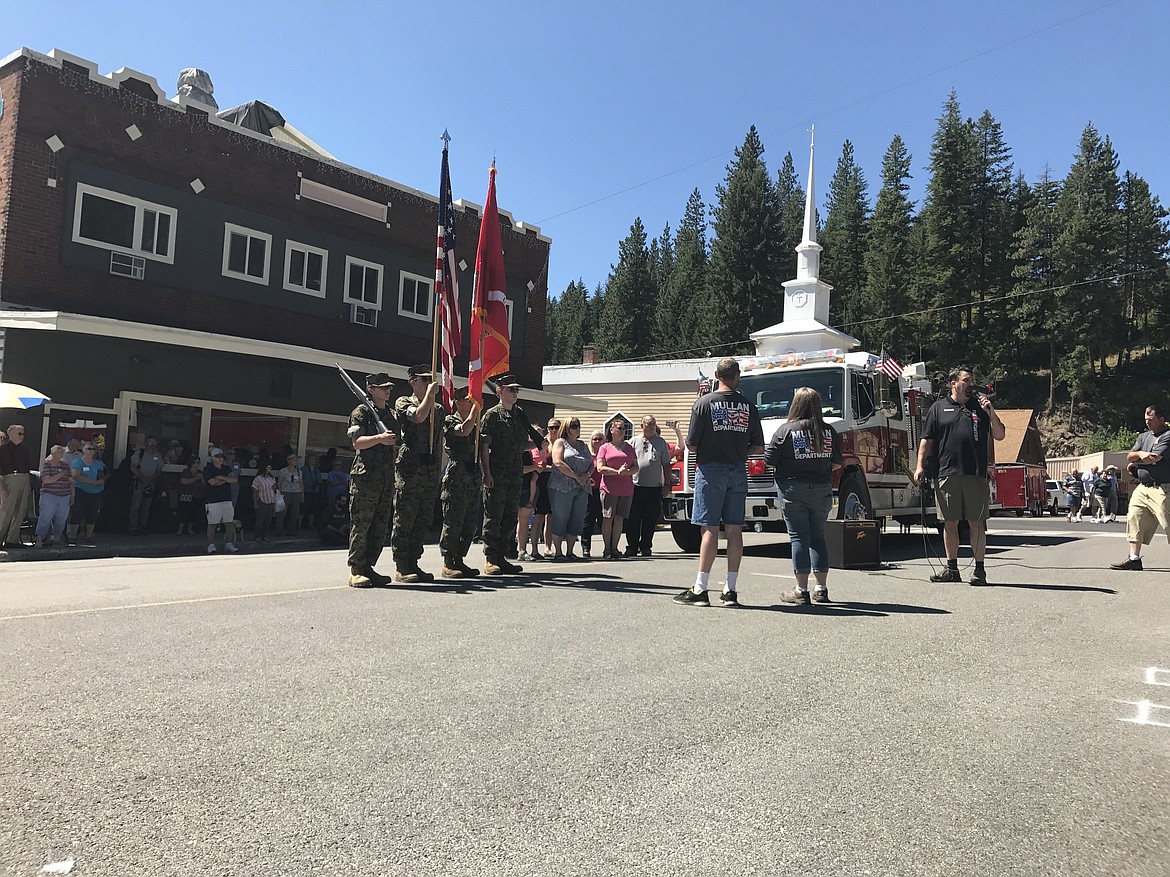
<point>363,397</point>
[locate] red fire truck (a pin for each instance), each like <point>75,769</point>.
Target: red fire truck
<point>880,421</point>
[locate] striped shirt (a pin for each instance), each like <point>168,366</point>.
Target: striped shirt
<point>61,487</point>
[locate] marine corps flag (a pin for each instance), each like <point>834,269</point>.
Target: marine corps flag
<point>490,342</point>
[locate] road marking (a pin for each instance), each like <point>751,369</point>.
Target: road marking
<point>1153,674</point>
<point>1144,708</point>
<point>772,575</point>
<point>171,603</point>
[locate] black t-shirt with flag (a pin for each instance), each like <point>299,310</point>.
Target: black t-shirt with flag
<point>796,456</point>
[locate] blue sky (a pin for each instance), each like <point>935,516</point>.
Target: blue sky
<point>598,112</point>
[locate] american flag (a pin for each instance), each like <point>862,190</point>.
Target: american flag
<point>704,384</point>
<point>447,283</point>
<point>887,365</point>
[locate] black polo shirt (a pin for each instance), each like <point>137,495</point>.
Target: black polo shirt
<point>960,434</point>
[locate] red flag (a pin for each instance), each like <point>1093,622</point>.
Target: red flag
<point>447,285</point>
<point>490,342</point>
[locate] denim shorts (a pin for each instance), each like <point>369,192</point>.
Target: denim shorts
<point>720,494</point>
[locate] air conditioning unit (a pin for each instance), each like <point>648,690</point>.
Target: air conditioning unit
<point>363,316</point>
<point>123,265</point>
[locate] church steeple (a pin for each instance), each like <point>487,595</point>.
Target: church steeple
<point>806,298</point>
<point>808,252</point>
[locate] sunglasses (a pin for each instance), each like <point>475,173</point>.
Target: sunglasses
<point>553,426</point>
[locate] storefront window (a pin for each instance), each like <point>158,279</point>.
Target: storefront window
<point>66,425</point>
<point>253,435</point>
<point>325,434</point>
<point>170,424</point>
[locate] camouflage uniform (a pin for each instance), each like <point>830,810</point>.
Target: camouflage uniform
<point>509,437</point>
<point>371,492</point>
<point>416,481</point>
<point>462,483</point>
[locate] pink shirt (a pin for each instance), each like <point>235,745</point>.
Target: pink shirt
<point>265,486</point>
<point>615,458</point>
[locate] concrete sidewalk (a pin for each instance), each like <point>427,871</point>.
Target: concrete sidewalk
<point>160,545</point>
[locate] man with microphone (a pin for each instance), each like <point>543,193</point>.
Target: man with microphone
<point>956,433</point>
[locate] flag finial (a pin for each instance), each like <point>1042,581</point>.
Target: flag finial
<point>446,138</point>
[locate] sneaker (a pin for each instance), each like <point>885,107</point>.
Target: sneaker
<point>585,551</point>
<point>230,547</point>
<point>690,598</point>
<point>978,578</point>
<point>1113,519</point>
<point>798,598</point>
<point>525,557</point>
<point>536,555</point>
<point>1128,563</point>
<point>821,595</point>
<point>211,549</point>
<point>729,599</point>
<point>947,575</point>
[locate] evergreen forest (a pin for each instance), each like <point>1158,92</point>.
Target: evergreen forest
<point>1054,290</point>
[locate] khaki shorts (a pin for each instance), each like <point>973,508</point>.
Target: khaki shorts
<point>963,498</point>
<point>615,506</point>
<point>1149,508</point>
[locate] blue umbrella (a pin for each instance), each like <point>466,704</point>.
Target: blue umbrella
<point>19,396</point>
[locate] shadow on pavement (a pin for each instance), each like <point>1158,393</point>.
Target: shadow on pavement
<point>849,609</point>
<point>1036,587</point>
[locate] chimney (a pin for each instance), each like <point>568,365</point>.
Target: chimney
<point>588,355</point>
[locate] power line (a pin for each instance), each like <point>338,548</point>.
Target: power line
<point>842,108</point>
<point>973,303</point>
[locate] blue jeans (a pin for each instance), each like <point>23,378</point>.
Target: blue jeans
<point>720,494</point>
<point>568,511</point>
<point>806,508</point>
<point>53,516</point>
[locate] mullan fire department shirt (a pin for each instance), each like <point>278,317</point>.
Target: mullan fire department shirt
<point>796,456</point>
<point>960,434</point>
<point>723,426</point>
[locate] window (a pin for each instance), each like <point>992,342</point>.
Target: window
<point>414,297</point>
<point>304,269</point>
<point>249,433</point>
<point>117,222</point>
<point>245,253</point>
<point>363,283</point>
<point>168,423</point>
<point>771,391</point>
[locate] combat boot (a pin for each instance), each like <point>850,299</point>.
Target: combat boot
<point>423,575</point>
<point>452,568</point>
<point>494,567</point>
<point>511,568</point>
<point>406,577</point>
<point>377,578</point>
<point>359,579</point>
<point>469,572</point>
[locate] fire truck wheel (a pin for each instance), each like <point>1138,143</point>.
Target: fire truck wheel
<point>686,536</point>
<point>853,499</point>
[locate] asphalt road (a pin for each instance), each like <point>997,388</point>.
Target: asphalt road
<point>251,715</point>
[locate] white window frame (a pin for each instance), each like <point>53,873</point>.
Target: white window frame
<point>291,245</point>
<point>350,261</point>
<point>403,276</point>
<point>140,207</point>
<point>231,228</point>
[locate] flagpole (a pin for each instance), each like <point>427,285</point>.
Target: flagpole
<point>436,316</point>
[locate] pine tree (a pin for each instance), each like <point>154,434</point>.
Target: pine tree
<point>1035,310</point>
<point>945,268</point>
<point>622,333</point>
<point>992,223</point>
<point>572,317</point>
<point>844,238</point>
<point>1145,241</point>
<point>1087,250</point>
<point>888,259</point>
<point>747,265</point>
<point>680,323</point>
<point>552,338</point>
<point>790,196</point>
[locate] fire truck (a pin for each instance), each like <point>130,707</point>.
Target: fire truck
<point>879,419</point>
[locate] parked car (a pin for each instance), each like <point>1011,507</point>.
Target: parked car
<point>1057,498</point>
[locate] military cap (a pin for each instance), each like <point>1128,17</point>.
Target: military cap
<point>379,379</point>
<point>418,371</point>
<point>460,392</point>
<point>506,379</point>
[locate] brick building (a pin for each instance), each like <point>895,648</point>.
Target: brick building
<point>167,272</point>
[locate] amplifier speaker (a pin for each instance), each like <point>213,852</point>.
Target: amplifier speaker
<point>853,544</point>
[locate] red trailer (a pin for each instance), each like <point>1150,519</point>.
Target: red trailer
<point>1019,487</point>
